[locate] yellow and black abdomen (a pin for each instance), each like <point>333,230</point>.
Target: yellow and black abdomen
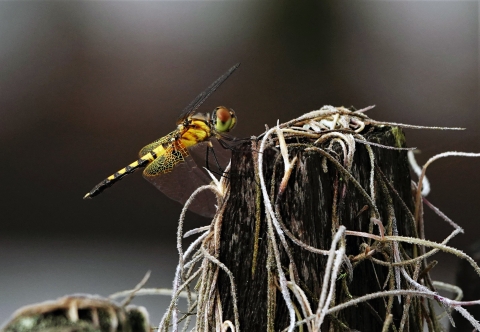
<point>161,156</point>
<point>140,163</point>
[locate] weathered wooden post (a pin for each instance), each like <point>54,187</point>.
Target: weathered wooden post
<point>330,185</point>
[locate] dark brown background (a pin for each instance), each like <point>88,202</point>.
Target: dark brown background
<point>85,85</point>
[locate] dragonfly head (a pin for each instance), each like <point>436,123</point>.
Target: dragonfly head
<point>223,119</point>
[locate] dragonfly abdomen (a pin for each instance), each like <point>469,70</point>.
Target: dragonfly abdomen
<point>140,163</point>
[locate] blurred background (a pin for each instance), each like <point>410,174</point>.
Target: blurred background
<point>84,85</point>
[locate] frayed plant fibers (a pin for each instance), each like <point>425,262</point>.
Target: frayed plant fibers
<point>197,274</point>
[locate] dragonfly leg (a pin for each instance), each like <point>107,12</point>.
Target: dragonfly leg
<point>221,171</point>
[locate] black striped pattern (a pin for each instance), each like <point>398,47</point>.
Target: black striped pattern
<point>140,163</point>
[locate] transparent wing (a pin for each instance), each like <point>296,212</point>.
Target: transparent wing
<point>187,111</point>
<point>177,175</point>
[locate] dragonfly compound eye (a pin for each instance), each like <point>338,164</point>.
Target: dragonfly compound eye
<point>224,119</point>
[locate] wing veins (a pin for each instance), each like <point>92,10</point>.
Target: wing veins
<point>205,94</point>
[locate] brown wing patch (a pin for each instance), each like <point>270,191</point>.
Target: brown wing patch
<point>183,180</point>
<point>174,154</point>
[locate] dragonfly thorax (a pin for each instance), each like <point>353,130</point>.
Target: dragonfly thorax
<point>196,130</point>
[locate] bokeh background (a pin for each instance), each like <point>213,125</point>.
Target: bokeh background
<point>84,85</point>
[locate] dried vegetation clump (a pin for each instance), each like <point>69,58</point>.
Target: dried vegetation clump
<point>199,265</point>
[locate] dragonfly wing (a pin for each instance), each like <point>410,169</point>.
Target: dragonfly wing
<point>190,109</point>
<point>161,141</point>
<point>177,175</point>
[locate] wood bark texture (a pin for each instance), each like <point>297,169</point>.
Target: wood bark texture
<point>311,210</point>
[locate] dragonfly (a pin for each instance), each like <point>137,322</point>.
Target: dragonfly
<point>170,161</point>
